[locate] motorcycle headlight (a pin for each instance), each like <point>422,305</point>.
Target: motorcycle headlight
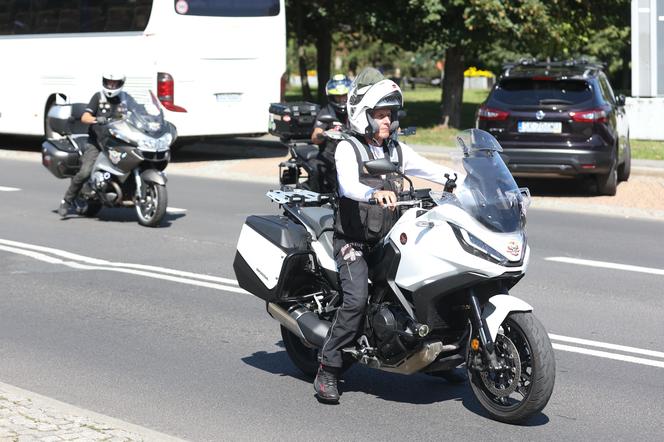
<point>472,244</point>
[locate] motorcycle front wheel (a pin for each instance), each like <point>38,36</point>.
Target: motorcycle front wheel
<point>152,207</point>
<point>524,385</point>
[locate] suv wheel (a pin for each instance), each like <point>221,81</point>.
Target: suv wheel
<point>607,184</point>
<point>625,168</point>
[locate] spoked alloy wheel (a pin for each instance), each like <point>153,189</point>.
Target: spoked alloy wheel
<point>152,207</point>
<point>523,387</point>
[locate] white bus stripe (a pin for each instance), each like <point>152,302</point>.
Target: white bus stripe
<point>653,353</point>
<point>606,265</point>
<point>607,355</point>
<point>9,189</point>
<point>76,265</point>
<point>102,262</point>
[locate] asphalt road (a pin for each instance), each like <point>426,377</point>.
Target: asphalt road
<point>191,357</point>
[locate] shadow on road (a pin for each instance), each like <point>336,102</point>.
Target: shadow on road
<point>230,149</point>
<point>123,215</point>
<point>188,151</point>
<point>20,142</point>
<point>418,389</point>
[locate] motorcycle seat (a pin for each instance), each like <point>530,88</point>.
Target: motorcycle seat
<point>306,152</point>
<point>81,141</point>
<point>319,219</point>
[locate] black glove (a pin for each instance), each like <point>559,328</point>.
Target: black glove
<point>101,120</point>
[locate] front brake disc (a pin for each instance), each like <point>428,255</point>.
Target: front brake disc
<point>504,382</point>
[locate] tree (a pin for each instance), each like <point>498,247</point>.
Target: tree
<point>314,22</point>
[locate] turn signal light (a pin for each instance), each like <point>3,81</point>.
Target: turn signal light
<point>475,344</point>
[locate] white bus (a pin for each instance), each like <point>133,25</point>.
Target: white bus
<point>215,65</point>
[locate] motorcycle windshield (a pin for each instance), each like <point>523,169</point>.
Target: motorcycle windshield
<point>489,192</point>
<point>147,118</point>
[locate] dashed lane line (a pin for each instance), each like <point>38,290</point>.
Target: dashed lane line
<point>606,265</point>
<point>73,260</point>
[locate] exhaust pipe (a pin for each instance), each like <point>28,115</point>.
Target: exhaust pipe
<point>303,323</point>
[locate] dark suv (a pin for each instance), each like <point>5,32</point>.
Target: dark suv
<point>559,119</point>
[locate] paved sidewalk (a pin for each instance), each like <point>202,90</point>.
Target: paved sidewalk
<point>29,417</point>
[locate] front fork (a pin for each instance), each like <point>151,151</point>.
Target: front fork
<point>139,185</point>
<point>487,346</point>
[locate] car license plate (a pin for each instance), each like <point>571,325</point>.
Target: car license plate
<point>540,127</point>
<point>228,97</point>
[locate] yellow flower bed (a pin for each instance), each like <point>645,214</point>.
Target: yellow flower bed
<point>474,72</point>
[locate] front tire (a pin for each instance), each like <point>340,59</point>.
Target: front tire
<point>525,386</point>
<point>152,208</point>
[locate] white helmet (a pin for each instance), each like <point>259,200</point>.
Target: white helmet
<point>370,90</point>
<point>112,84</point>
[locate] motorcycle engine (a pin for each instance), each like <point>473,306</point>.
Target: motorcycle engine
<point>392,332</point>
<point>100,180</point>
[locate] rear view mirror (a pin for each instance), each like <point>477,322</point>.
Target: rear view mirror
<point>381,166</point>
<point>620,100</point>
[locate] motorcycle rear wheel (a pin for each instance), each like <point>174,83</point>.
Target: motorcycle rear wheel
<point>305,358</point>
<point>152,208</point>
<point>523,390</point>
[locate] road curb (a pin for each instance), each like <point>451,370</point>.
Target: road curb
<point>37,412</point>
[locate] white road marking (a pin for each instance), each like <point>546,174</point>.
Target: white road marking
<point>606,265</point>
<point>8,189</point>
<point>86,263</point>
<point>623,348</point>
<point>607,355</point>
<point>102,262</point>
<point>175,210</point>
<point>73,260</point>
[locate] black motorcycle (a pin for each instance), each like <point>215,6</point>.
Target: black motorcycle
<point>310,166</point>
<point>129,171</point>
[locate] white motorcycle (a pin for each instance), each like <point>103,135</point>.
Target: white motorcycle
<point>438,286</point>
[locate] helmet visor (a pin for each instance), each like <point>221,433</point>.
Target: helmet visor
<point>112,84</point>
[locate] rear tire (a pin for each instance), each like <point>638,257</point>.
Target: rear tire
<point>305,358</point>
<point>607,184</point>
<point>625,169</point>
<point>152,209</point>
<point>535,365</point>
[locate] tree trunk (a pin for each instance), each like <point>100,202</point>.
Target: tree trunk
<point>452,93</point>
<point>302,63</point>
<point>323,57</point>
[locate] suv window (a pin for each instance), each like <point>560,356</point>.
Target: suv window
<point>528,91</point>
<point>228,8</point>
<point>607,92</point>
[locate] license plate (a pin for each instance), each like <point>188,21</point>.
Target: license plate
<point>540,127</point>
<point>228,97</point>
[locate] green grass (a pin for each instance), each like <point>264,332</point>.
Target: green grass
<point>647,149</point>
<point>423,107</point>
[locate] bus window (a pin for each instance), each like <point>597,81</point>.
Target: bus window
<point>232,8</point>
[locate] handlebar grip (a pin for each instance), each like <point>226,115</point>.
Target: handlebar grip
<point>373,201</point>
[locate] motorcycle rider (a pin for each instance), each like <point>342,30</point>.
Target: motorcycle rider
<point>103,105</point>
<point>373,107</point>
<point>336,89</point>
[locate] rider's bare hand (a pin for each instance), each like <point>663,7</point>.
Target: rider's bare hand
<point>385,198</point>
